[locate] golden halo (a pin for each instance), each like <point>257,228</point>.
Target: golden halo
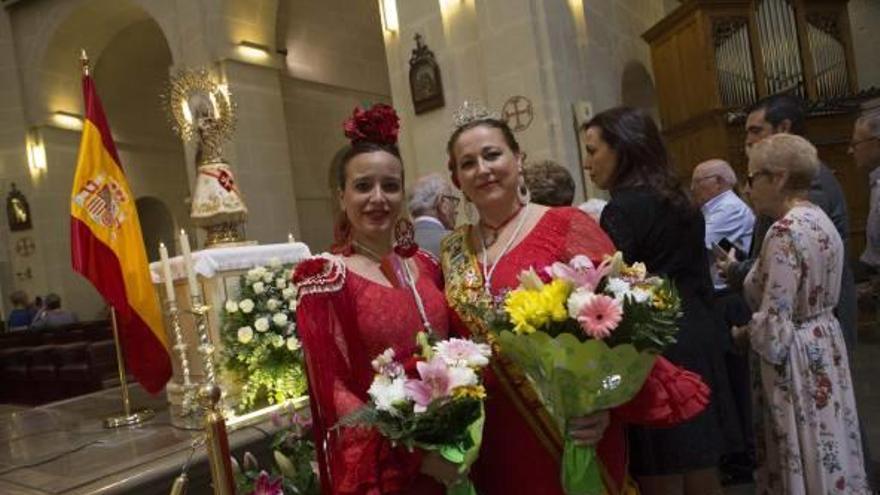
<point>193,85</point>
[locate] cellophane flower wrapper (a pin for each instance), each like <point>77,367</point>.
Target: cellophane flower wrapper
<point>585,347</point>
<point>432,401</point>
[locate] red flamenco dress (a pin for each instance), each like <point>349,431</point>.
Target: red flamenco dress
<point>519,452</point>
<point>345,320</point>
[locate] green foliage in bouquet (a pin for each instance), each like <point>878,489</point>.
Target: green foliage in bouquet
<point>261,348</point>
<point>576,378</point>
<point>650,326</point>
<point>442,423</point>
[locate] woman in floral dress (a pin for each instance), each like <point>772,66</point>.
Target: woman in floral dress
<point>806,423</point>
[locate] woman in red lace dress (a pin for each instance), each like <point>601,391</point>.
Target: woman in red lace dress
<point>481,261</point>
<point>354,305</point>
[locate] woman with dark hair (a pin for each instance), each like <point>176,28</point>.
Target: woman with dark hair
<point>376,291</point>
<point>507,234</point>
<point>651,219</point>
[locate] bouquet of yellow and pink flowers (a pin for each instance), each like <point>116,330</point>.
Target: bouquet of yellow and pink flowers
<point>587,337</point>
<point>432,400</point>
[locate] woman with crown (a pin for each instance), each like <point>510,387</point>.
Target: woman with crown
<point>481,261</point>
<point>377,290</point>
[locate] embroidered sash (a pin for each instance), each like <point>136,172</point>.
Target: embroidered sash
<point>465,294</point>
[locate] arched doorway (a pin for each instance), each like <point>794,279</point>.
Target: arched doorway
<point>131,57</point>
<point>157,225</point>
<point>637,88</point>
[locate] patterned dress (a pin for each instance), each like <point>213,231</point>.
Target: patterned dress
<point>805,414</point>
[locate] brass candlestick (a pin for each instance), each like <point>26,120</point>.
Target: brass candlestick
<point>188,405</point>
<point>206,348</point>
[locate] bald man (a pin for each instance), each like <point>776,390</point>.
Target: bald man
<point>727,216</point>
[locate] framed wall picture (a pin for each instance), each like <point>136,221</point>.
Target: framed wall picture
<point>425,83</point>
<point>18,211</point>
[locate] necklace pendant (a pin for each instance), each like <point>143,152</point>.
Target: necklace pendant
<point>490,237</point>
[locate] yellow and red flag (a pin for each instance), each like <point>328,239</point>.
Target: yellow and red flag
<point>107,247</point>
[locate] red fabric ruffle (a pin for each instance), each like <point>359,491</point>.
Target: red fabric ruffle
<point>671,395</point>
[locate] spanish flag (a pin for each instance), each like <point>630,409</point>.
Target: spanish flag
<point>107,247</point>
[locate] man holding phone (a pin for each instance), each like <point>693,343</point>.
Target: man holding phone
<point>729,220</point>
<point>729,226</point>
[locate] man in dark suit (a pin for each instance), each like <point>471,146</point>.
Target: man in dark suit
<point>785,114</point>
<point>434,207</point>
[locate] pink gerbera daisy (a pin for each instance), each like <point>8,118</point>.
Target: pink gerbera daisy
<point>600,315</point>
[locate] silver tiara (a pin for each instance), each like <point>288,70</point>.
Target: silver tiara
<point>470,111</point>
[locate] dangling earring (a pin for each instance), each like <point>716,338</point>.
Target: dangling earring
<point>470,212</point>
<point>405,238</point>
<point>522,192</point>
<point>341,236</point>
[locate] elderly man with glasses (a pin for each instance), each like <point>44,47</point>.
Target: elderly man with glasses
<point>728,220</point>
<point>434,208</point>
<point>727,216</point>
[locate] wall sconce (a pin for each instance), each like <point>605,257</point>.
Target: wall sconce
<point>67,120</point>
<point>389,15</point>
<point>36,153</point>
<point>449,5</point>
<point>254,52</point>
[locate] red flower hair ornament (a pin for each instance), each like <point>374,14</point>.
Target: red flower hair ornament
<point>379,124</point>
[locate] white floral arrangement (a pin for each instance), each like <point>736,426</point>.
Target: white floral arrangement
<point>261,349</point>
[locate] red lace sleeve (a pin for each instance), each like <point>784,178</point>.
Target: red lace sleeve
<point>671,395</point>
<point>350,460</point>
<point>584,236</point>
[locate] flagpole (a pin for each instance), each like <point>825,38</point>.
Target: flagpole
<point>127,418</point>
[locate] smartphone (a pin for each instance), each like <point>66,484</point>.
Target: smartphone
<point>724,246</point>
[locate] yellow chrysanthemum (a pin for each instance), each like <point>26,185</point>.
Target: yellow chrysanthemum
<point>473,391</point>
<point>529,309</point>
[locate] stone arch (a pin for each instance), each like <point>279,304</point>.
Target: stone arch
<point>637,87</point>
<point>157,224</point>
<point>51,82</point>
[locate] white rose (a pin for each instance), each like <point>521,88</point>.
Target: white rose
<point>262,324</point>
<point>619,287</point>
<point>280,283</point>
<point>640,295</point>
<point>292,304</point>
<point>386,392</point>
<point>277,340</point>
<point>274,262</point>
<point>577,300</point>
<point>279,319</point>
<point>245,334</point>
<point>231,306</point>
<point>293,343</point>
<point>246,306</point>
<point>273,304</point>
<point>259,288</point>
<point>253,275</point>
<point>462,376</point>
<point>268,278</point>
<point>288,293</point>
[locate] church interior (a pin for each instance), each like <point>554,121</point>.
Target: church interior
<point>290,72</point>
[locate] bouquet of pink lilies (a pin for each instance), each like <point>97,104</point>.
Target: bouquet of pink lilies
<point>432,400</point>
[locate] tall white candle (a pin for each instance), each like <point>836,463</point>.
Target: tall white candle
<point>166,272</point>
<point>188,264</point>
<point>289,237</point>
